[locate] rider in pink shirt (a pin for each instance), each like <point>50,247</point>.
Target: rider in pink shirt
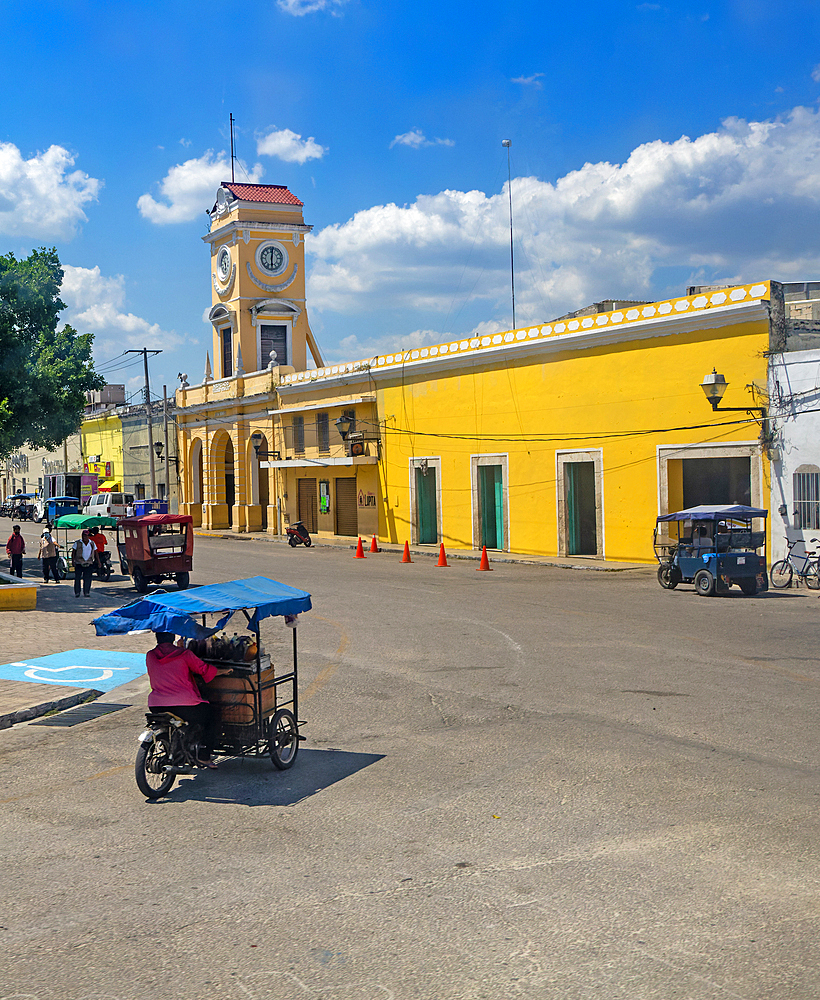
<point>172,672</point>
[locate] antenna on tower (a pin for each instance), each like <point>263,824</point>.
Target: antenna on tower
<point>232,153</point>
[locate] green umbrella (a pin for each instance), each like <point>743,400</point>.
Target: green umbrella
<point>80,521</point>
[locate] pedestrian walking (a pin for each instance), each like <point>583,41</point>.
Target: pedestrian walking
<point>15,550</point>
<point>83,556</point>
<point>48,553</point>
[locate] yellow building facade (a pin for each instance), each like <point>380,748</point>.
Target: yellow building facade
<point>566,438</point>
<point>101,445</point>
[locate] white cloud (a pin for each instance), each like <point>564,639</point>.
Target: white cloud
<point>41,198</point>
<point>739,203</point>
<point>301,7</point>
<point>815,73</point>
<point>415,139</point>
<point>95,304</point>
<point>289,146</point>
<point>189,188</point>
<point>529,81</point>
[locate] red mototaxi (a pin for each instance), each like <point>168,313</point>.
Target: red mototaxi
<point>156,547</point>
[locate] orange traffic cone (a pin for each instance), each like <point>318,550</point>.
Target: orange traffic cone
<point>485,562</point>
<point>406,556</point>
<point>359,552</point>
<point>373,546</point>
<point>442,557</point>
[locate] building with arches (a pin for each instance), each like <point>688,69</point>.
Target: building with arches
<point>564,438</point>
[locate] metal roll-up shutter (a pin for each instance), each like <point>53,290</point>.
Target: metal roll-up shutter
<point>347,513</point>
<point>308,513</point>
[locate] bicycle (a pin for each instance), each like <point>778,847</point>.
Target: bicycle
<point>783,570</point>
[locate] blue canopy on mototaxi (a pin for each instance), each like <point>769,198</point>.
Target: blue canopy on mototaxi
<point>714,547</point>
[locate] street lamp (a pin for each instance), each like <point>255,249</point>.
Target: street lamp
<point>715,385</point>
<point>158,448</point>
<point>256,441</point>
<point>343,425</point>
<point>506,143</point>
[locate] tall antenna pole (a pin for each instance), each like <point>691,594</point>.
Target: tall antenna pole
<point>232,155</point>
<point>507,143</point>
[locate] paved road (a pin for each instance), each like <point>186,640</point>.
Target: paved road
<point>528,783</point>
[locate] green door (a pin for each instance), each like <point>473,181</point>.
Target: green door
<point>491,506</point>
<point>426,512</point>
<point>582,534</point>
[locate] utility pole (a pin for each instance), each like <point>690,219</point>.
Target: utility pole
<point>145,352</point>
<point>507,143</point>
<point>167,453</point>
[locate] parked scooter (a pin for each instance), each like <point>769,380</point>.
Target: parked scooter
<point>103,567</point>
<point>298,535</point>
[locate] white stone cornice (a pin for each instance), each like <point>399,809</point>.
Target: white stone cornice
<point>226,231</point>
<point>476,354</point>
<point>272,288</point>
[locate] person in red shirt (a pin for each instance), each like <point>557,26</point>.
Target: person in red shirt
<point>15,550</point>
<point>172,672</point>
<point>99,539</point>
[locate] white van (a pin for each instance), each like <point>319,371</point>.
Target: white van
<point>109,504</point>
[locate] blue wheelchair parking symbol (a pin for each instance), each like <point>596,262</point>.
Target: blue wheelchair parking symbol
<point>83,668</point>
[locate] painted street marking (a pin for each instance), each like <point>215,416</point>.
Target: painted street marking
<point>95,668</point>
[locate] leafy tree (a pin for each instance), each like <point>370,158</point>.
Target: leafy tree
<point>45,372</point>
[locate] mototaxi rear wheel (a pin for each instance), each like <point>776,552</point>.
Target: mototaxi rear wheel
<point>283,739</point>
<point>152,756</point>
<point>704,583</point>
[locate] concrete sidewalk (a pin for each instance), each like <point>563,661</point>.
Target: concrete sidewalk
<point>432,551</point>
<point>60,622</point>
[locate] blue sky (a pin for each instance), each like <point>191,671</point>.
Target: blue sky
<point>653,145</point>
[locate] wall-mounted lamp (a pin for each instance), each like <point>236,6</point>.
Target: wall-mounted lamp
<point>158,446</point>
<point>715,385</point>
<point>343,424</point>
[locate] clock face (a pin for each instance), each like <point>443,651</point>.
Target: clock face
<point>223,264</point>
<point>272,258</point>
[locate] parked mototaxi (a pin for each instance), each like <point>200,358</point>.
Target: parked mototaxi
<point>49,510</point>
<point>714,547</point>
<point>78,523</point>
<point>156,547</point>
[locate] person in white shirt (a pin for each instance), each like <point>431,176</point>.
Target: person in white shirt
<point>83,556</point>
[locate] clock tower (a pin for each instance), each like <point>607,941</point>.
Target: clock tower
<point>259,314</point>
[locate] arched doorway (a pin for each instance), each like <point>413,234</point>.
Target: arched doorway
<point>260,479</point>
<point>221,481</point>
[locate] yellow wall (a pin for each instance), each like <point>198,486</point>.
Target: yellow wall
<point>577,400</point>
<point>103,436</point>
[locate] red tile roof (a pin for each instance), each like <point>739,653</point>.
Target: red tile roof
<point>274,194</point>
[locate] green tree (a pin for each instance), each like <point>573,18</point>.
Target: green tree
<point>45,372</point>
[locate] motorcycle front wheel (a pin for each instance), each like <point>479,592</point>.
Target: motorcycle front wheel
<point>151,758</point>
<point>293,541</point>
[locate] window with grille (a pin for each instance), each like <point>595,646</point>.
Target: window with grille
<point>299,435</point>
<point>323,432</point>
<point>806,486</point>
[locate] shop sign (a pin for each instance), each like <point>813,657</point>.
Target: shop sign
<point>367,499</point>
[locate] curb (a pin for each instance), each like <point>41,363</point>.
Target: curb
<point>27,714</point>
<point>456,554</point>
